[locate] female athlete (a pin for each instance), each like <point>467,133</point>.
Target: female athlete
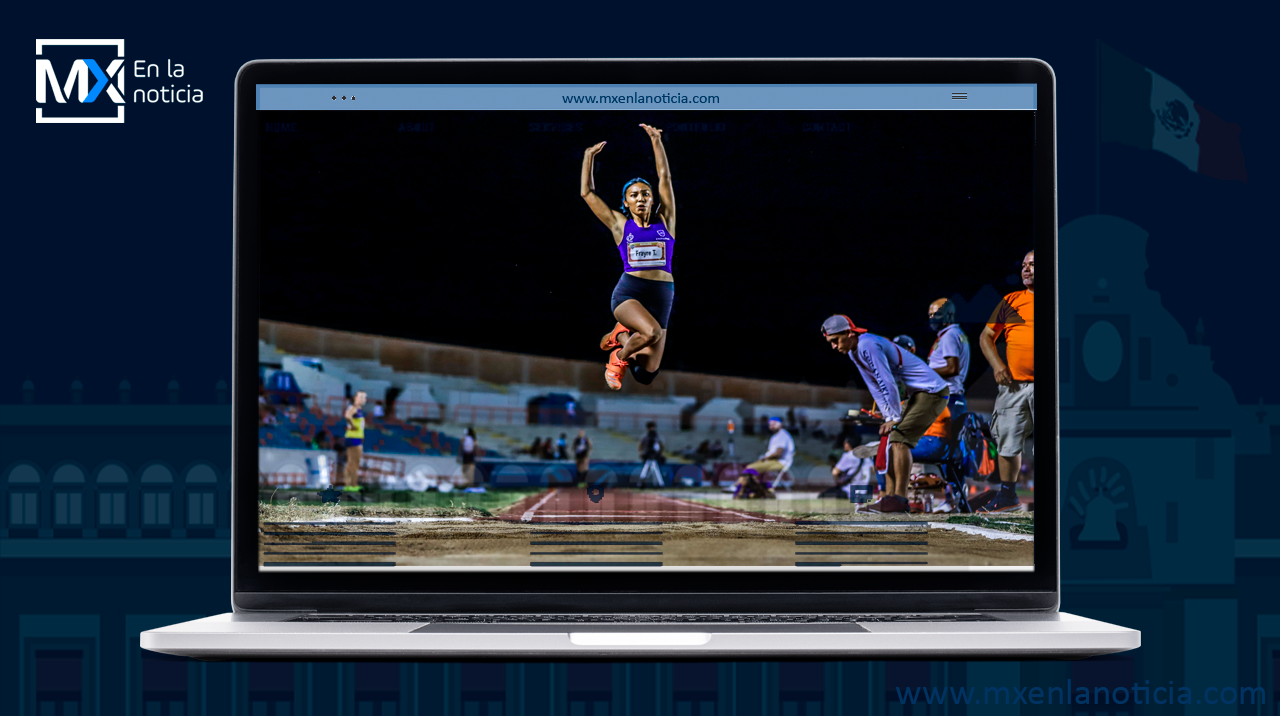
<point>644,232</point>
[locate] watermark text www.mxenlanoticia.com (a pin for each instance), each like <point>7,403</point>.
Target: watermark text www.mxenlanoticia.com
<point>1082,695</point>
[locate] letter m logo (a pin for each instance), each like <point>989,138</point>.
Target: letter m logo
<point>85,81</point>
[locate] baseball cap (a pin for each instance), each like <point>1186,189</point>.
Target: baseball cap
<point>775,419</point>
<point>839,323</point>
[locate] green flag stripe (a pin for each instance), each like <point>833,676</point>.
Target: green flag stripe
<point>1125,99</point>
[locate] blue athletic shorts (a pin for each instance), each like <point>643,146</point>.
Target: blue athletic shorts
<point>655,296</point>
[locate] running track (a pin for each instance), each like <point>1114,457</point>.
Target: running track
<point>571,504</point>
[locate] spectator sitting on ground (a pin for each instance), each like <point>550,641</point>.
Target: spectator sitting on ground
<point>535,450</point>
<point>548,449</point>
<point>849,467</point>
<point>716,449</point>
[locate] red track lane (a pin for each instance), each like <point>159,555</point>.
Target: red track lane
<point>571,504</point>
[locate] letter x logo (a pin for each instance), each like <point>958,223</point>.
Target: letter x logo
<point>77,83</point>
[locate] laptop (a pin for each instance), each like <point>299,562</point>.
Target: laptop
<point>574,359</point>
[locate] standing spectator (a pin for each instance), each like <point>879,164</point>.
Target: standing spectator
<point>803,415</point>
<point>378,410</point>
<point>764,424</point>
<point>883,365</point>
<point>1013,420</point>
<point>468,450</point>
<point>949,358</point>
<point>582,455</point>
<point>354,416</point>
<point>562,447</point>
<point>651,453</point>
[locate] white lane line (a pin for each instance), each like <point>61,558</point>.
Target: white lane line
<point>638,515</point>
<point>717,509</point>
<point>528,514</point>
<point>984,532</point>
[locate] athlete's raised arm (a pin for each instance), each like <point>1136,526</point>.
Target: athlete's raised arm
<point>611,218</point>
<point>666,193</point>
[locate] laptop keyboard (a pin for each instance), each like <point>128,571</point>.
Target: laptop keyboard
<point>644,618</point>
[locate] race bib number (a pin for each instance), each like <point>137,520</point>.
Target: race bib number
<point>647,254</point>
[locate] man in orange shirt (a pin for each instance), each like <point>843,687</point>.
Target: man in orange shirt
<point>1014,417</point>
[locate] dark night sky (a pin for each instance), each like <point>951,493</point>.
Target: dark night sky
<point>474,233</point>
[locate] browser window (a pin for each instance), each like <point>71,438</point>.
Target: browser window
<point>639,327</point>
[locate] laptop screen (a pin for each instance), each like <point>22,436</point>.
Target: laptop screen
<point>636,328</point>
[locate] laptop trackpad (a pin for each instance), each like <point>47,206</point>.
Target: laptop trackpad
<point>639,638</point>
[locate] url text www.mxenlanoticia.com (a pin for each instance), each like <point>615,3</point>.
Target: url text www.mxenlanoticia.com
<point>635,98</point>
<point>1083,695</point>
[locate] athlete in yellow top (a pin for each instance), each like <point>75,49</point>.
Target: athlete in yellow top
<point>355,440</point>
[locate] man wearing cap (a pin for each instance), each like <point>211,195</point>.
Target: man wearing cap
<point>882,364</point>
<point>949,357</point>
<point>777,459</point>
<point>1014,417</point>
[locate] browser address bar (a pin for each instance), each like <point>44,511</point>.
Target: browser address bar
<point>368,97</point>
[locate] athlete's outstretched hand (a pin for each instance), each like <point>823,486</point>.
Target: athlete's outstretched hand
<point>594,149</point>
<point>654,133</point>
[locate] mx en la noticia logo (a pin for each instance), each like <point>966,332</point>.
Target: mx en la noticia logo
<point>77,83</point>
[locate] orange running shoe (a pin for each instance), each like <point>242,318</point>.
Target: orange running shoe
<point>613,372</point>
<point>610,340</point>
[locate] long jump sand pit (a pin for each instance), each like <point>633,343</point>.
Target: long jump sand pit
<point>646,528</point>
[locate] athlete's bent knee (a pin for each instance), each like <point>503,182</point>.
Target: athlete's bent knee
<point>649,336</point>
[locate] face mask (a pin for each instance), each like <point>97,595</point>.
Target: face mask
<point>937,324</point>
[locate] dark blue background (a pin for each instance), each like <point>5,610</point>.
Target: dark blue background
<point>117,264</point>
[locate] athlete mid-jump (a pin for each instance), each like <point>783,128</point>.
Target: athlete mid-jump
<point>644,232</point>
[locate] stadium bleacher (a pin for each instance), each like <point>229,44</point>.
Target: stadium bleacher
<point>500,414</point>
<point>295,428</point>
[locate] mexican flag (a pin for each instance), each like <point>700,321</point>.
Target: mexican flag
<point>1142,109</point>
